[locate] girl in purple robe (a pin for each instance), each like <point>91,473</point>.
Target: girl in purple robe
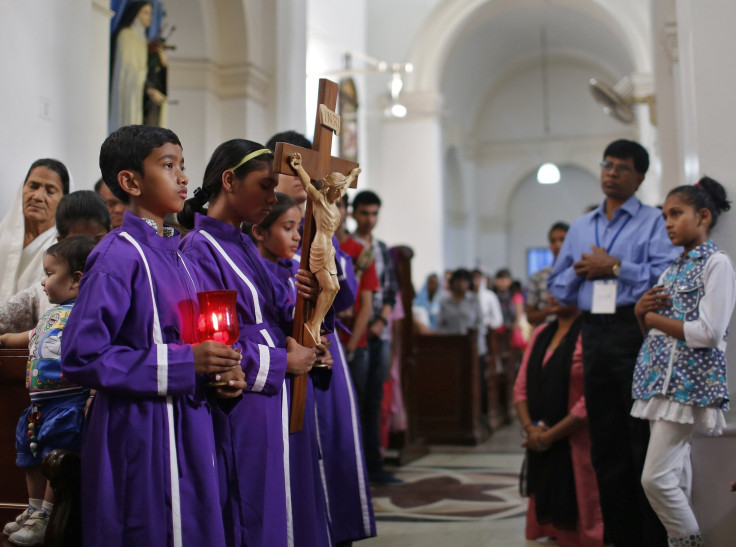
<point>148,454</point>
<point>331,411</point>
<point>277,238</point>
<point>252,436</point>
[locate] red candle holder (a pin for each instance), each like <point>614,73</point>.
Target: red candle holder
<point>218,319</point>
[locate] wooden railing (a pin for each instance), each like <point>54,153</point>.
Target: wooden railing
<point>13,400</point>
<point>60,467</point>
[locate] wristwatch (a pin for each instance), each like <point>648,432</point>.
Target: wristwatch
<point>616,269</point>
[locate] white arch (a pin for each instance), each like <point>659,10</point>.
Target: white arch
<point>627,19</point>
<point>239,33</point>
<point>522,172</point>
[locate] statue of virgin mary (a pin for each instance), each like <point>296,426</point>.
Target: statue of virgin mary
<point>129,54</point>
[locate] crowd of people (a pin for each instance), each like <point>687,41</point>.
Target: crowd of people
<point>187,442</point>
<point>627,358</point>
<point>183,441</point>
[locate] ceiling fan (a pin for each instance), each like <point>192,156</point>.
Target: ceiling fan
<point>617,101</point>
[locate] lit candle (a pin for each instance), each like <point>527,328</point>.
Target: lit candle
<point>217,317</point>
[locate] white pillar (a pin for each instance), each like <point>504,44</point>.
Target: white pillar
<point>666,80</point>
<point>706,45</point>
<point>90,117</point>
<point>55,90</point>
<point>411,187</point>
<point>291,65</point>
<point>708,83</point>
<point>651,189</point>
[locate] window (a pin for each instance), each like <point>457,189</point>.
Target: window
<point>538,258</point>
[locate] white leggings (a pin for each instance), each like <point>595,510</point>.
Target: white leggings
<point>667,477</point>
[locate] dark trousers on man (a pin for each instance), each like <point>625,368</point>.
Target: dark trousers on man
<point>619,442</point>
<point>369,370</point>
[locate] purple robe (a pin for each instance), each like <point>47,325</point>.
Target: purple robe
<point>252,435</point>
<point>148,456</point>
<point>309,509</point>
<point>343,472</point>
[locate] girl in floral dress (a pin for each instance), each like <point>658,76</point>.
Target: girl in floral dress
<point>680,375</point>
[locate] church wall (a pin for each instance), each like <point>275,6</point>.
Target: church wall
<point>514,111</point>
<point>510,143</point>
<point>457,252</point>
<point>534,207</point>
<point>491,238</point>
<point>666,89</point>
<point>291,63</point>
<point>55,91</point>
<point>395,24</point>
<point>410,186</point>
<point>411,190</point>
<point>460,208</point>
<point>437,34</point>
<point>707,85</point>
<point>221,93</point>
<point>191,119</point>
<point>333,30</point>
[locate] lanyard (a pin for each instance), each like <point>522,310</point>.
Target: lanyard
<point>615,237</point>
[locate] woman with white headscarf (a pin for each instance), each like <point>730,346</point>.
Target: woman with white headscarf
<point>30,227</point>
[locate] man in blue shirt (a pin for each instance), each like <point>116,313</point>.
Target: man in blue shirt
<point>610,257</point>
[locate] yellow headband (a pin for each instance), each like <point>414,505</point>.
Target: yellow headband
<point>250,156</point>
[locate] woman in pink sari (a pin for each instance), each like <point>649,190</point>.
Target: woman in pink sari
<point>548,394</point>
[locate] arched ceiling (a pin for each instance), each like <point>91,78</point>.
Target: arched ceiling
<point>488,48</point>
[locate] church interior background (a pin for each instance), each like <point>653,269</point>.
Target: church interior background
<point>496,88</point>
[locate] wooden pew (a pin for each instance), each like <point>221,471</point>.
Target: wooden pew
<point>444,387</point>
<point>13,400</point>
<point>60,467</point>
<point>407,443</point>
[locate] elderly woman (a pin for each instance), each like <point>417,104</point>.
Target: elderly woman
<point>27,231</point>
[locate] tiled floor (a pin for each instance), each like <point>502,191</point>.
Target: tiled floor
<point>456,497</point>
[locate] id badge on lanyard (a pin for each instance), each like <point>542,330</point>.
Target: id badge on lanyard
<point>605,290</point>
<point>604,296</point>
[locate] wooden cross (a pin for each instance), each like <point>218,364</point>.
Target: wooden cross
<point>319,163</point>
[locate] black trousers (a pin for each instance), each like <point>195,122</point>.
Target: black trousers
<point>619,442</point>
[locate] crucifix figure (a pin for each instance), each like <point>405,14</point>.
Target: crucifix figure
<point>316,166</point>
<point>322,252</point>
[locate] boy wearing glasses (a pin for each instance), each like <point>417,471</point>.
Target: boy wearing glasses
<point>609,258</point>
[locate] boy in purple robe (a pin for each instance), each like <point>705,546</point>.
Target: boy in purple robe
<point>148,456</point>
<point>253,437</point>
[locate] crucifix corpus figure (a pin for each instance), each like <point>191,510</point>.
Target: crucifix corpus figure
<point>322,252</point>
<point>326,179</point>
